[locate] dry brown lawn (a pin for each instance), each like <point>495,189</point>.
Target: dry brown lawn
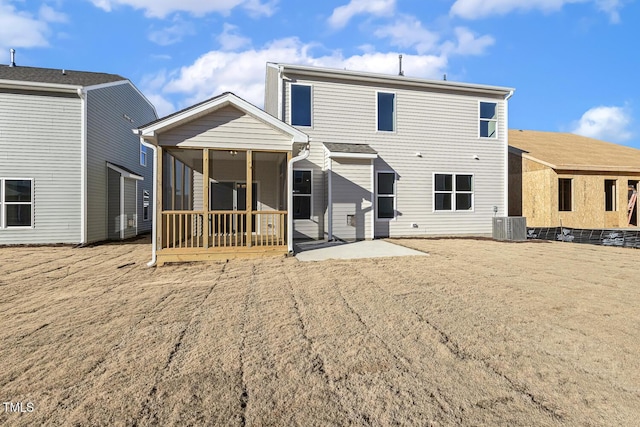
<point>478,333</point>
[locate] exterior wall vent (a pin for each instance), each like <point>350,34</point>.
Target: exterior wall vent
<point>513,228</point>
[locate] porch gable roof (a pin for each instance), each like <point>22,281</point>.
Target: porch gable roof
<point>150,130</point>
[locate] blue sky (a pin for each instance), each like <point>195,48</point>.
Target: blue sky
<point>574,63</point>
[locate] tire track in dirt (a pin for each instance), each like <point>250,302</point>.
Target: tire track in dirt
<point>402,364</point>
<point>454,347</point>
<point>145,413</point>
<point>244,394</point>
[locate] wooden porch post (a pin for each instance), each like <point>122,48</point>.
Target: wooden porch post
<point>288,208</point>
<point>160,193</point>
<point>249,200</point>
<point>205,198</point>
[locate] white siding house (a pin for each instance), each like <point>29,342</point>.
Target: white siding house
<point>393,155</point>
<point>71,171</point>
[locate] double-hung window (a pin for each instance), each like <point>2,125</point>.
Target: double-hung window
<point>488,120</point>
<point>386,111</point>
<point>453,192</point>
<point>386,195</point>
<point>16,202</point>
<point>300,105</point>
<point>302,194</point>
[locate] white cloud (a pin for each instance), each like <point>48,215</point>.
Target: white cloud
<point>48,14</point>
<point>173,34</point>
<point>162,8</point>
<point>230,41</point>
<point>467,43</point>
<point>22,29</point>
<point>476,9</point>
<point>407,32</point>
<point>343,14</point>
<point>243,72</point>
<point>608,123</point>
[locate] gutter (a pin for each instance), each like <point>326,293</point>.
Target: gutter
<point>82,94</point>
<point>154,212</point>
<point>301,156</point>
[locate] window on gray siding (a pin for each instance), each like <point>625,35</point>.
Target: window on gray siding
<point>386,111</point>
<point>300,105</point>
<point>17,202</point>
<point>302,194</point>
<point>488,120</point>
<point>453,192</point>
<point>386,195</point>
<point>143,155</point>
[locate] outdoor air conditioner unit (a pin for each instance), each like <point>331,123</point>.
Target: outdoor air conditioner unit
<point>510,228</point>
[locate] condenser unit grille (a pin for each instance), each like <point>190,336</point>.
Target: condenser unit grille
<point>510,228</point>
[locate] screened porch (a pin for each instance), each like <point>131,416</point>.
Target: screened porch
<point>216,200</point>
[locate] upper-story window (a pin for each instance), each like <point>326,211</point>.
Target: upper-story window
<point>143,155</point>
<point>386,111</point>
<point>488,120</point>
<point>300,105</point>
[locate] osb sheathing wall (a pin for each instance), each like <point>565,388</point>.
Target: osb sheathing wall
<point>539,196</point>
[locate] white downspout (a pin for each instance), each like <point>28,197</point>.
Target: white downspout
<point>299,157</point>
<point>154,213</point>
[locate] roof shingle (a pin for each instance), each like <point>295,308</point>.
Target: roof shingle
<point>56,76</point>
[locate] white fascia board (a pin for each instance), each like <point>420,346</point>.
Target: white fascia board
<point>352,156</point>
<point>46,87</point>
<point>217,103</point>
<point>124,173</point>
<point>399,80</point>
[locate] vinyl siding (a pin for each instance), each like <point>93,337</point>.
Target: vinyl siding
<point>130,199</point>
<point>226,128</point>
<point>441,125</point>
<point>40,139</point>
<point>110,139</point>
<point>113,221</point>
<point>271,91</point>
<point>351,195</point>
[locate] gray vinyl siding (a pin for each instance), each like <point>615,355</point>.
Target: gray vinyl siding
<point>351,195</point>
<point>271,91</point>
<point>224,128</point>
<point>113,203</point>
<point>130,213</point>
<point>440,125</point>
<point>110,139</point>
<point>40,138</point>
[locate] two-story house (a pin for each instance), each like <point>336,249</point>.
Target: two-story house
<point>392,155</point>
<point>71,171</point>
<point>337,155</point>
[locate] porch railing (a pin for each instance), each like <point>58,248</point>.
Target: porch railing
<point>226,229</point>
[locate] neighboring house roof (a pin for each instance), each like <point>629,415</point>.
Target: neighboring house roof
<point>567,151</point>
<point>55,76</point>
<point>353,151</point>
<point>387,79</point>
<point>208,106</point>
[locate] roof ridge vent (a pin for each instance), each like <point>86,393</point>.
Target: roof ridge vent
<point>13,58</point>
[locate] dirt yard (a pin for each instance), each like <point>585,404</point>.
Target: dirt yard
<point>478,333</point>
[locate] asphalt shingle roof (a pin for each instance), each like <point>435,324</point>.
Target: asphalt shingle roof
<point>349,148</point>
<point>56,76</point>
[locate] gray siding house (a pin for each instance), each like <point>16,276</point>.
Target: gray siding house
<point>71,171</point>
<point>392,155</point>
